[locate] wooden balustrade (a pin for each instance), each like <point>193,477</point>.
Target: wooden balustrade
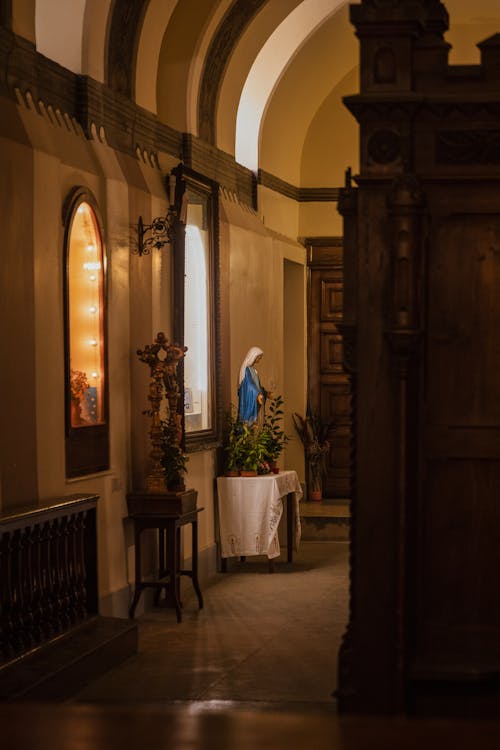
<point>48,572</point>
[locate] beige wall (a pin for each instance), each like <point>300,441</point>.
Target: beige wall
<point>331,142</point>
<point>18,460</point>
<point>257,287</point>
<point>139,305</point>
<point>139,293</point>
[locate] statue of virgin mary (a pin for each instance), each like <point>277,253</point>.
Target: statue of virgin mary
<point>251,395</point>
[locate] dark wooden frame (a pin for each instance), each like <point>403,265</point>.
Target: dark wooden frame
<point>87,448</point>
<point>189,179</point>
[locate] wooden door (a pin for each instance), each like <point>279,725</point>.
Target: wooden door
<point>328,387</point>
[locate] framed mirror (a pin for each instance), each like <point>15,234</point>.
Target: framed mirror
<point>196,306</point>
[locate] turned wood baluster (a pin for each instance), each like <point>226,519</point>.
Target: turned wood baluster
<point>47,591</point>
<point>80,565</point>
<point>64,574</point>
<point>55,565</point>
<point>26,583</point>
<point>36,568</point>
<point>72,569</point>
<point>17,638</point>
<point>6,623</point>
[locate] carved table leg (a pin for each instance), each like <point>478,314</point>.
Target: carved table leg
<point>138,577</point>
<point>173,571</point>
<point>290,524</point>
<point>194,545</point>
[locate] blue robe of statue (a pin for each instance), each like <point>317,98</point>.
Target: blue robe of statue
<point>250,388</point>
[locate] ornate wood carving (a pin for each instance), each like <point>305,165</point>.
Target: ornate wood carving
<point>384,65</point>
<point>422,306</point>
<point>384,146</point>
<point>163,359</point>
<point>468,147</point>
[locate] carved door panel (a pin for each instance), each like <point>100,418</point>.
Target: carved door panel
<point>459,528</point>
<point>329,390</point>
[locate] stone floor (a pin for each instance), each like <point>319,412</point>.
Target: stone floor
<point>267,641</point>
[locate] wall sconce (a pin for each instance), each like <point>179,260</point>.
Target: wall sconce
<point>161,231</point>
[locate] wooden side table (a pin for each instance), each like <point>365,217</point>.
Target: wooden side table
<point>168,513</point>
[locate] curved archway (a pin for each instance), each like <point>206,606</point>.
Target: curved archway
<point>180,66</point>
<point>243,56</point>
<point>268,68</point>
<point>282,136</point>
<point>156,20</point>
<point>95,24</point>
<point>230,30</point>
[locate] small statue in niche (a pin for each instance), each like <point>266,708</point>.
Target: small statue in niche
<point>251,394</point>
<point>163,359</point>
<point>79,384</point>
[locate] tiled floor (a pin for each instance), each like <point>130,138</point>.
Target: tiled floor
<point>265,639</point>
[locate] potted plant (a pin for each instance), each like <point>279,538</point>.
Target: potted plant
<point>232,444</point>
<point>314,435</point>
<point>273,437</point>
<point>250,450</point>
<point>173,458</point>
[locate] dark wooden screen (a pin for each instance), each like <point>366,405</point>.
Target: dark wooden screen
<point>459,603</point>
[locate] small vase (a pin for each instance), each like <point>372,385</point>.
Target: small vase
<point>276,469</point>
<point>314,495</point>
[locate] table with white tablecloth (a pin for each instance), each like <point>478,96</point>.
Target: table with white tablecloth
<point>250,509</point>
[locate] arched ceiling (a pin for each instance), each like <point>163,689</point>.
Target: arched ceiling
<point>190,59</point>
<point>273,59</point>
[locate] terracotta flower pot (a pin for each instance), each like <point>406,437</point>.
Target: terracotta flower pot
<point>248,473</point>
<point>232,473</point>
<point>314,495</point>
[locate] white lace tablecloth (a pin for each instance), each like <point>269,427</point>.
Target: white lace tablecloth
<point>250,509</point>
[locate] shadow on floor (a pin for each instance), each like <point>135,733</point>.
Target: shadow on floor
<point>261,640</point>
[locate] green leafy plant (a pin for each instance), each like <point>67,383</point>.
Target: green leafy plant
<point>254,447</point>
<point>250,447</point>
<point>232,441</point>
<point>273,438</point>
<point>173,458</point>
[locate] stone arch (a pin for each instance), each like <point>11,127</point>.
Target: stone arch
<point>230,30</point>
<point>122,45</point>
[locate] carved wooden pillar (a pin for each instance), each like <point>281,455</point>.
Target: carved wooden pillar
<point>402,53</point>
<point>348,208</point>
<point>406,208</point>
